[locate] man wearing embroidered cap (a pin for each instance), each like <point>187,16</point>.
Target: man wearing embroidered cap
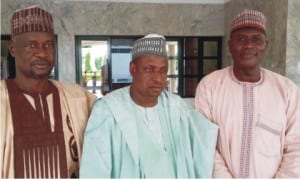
<point>144,131</point>
<point>42,120</point>
<point>258,111</point>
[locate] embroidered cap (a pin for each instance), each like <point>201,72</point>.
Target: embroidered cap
<point>31,19</point>
<point>151,44</point>
<point>249,18</point>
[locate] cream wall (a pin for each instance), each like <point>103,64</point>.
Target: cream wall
<point>293,41</point>
<point>101,18</point>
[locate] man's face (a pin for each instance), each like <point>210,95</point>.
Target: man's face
<point>247,47</point>
<point>34,54</point>
<point>149,74</point>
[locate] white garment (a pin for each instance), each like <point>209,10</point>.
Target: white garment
<point>152,121</point>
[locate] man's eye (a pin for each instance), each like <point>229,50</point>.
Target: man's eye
<point>148,69</point>
<point>163,71</point>
<point>30,45</point>
<point>49,45</point>
<point>241,39</point>
<point>258,40</point>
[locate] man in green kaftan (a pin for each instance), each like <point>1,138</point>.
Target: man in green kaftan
<point>143,131</point>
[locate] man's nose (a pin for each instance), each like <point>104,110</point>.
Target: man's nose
<point>157,77</point>
<point>40,51</point>
<point>249,43</point>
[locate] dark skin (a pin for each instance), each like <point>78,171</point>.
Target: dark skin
<point>34,54</point>
<point>247,47</point>
<point>149,76</point>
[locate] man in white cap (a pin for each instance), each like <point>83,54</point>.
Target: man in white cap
<point>258,111</point>
<point>41,121</point>
<point>143,130</point>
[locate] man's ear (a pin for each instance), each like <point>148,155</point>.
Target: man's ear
<point>132,68</point>
<point>11,48</point>
<point>267,43</point>
<point>229,44</point>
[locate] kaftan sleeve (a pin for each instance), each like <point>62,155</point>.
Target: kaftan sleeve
<point>97,153</point>
<point>203,99</point>
<point>91,99</point>
<point>203,104</point>
<point>6,135</point>
<point>290,164</point>
<point>3,109</point>
<point>204,141</point>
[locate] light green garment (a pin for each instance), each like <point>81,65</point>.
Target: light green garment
<point>151,153</point>
<point>111,144</point>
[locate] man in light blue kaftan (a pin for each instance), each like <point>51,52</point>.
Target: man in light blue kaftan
<point>143,131</point>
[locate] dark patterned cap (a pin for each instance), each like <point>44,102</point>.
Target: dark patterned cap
<point>31,19</point>
<point>249,18</point>
<point>151,44</point>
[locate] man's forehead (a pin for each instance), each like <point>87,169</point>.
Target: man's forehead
<point>248,31</point>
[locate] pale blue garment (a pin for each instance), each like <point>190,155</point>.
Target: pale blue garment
<point>155,160</point>
<point>150,117</point>
<point>111,142</point>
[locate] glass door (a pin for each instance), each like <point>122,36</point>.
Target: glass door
<point>93,69</point>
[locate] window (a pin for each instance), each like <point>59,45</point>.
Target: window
<point>173,71</point>
<point>8,68</point>
<point>120,59</point>
<point>189,59</point>
<point>7,61</point>
<point>201,56</point>
<point>103,62</point>
<point>92,70</point>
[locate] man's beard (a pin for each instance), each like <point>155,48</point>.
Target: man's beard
<point>34,75</point>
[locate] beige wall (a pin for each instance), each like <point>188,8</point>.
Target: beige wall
<point>293,41</point>
<point>99,18</point>
<point>102,18</point>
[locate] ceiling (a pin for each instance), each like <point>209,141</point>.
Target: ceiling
<point>164,1</point>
